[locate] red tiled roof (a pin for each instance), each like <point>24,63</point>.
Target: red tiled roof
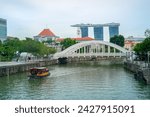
<point>129,42</point>
<point>77,39</point>
<point>60,39</point>
<point>47,32</point>
<point>84,39</point>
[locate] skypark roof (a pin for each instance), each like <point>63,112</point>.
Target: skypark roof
<point>95,25</point>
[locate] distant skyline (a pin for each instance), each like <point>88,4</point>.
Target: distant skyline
<point>27,18</point>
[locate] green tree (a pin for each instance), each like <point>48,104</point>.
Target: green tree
<point>0,43</point>
<point>28,38</point>
<point>29,46</point>
<point>142,49</point>
<point>7,53</point>
<point>12,38</point>
<point>36,48</point>
<point>118,40</point>
<point>67,42</point>
<point>11,48</point>
<point>14,43</point>
<point>137,48</point>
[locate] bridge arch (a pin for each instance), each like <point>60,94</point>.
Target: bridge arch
<point>92,48</point>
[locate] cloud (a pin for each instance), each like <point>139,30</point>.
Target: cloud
<point>29,17</point>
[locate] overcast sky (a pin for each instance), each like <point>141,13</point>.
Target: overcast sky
<point>26,18</point>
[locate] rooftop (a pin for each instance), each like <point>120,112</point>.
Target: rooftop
<point>47,32</point>
<point>131,38</point>
<point>96,25</point>
<point>83,39</point>
<point>77,39</point>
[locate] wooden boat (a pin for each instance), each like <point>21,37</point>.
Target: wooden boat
<point>39,72</point>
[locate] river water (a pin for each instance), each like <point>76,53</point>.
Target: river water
<point>88,81</point>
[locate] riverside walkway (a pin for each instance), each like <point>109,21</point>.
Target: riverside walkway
<point>2,64</point>
<point>7,68</point>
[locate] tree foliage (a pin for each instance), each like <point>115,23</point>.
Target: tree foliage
<point>142,49</point>
<point>118,40</point>
<point>0,43</point>
<point>67,42</point>
<point>9,48</point>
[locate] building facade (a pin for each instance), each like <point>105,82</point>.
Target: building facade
<point>113,30</point>
<point>98,30</point>
<point>45,35</point>
<point>98,33</point>
<point>131,41</point>
<point>3,29</point>
<point>84,31</point>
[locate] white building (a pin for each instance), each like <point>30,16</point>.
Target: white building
<point>45,35</point>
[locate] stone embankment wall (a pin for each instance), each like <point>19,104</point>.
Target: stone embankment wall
<point>141,70</point>
<point>16,68</point>
<point>113,60</point>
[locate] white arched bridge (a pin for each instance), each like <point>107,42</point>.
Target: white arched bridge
<point>92,48</point>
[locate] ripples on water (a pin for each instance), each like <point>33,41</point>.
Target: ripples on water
<point>76,81</point>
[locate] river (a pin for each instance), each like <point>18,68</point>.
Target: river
<point>88,81</point>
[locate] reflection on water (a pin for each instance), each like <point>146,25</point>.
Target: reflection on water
<point>76,81</point>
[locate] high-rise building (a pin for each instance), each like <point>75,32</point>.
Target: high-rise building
<point>3,29</point>
<point>98,29</point>
<point>84,31</point>
<point>113,30</point>
<point>98,33</point>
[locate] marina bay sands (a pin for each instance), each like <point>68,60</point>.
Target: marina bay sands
<point>98,29</point>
